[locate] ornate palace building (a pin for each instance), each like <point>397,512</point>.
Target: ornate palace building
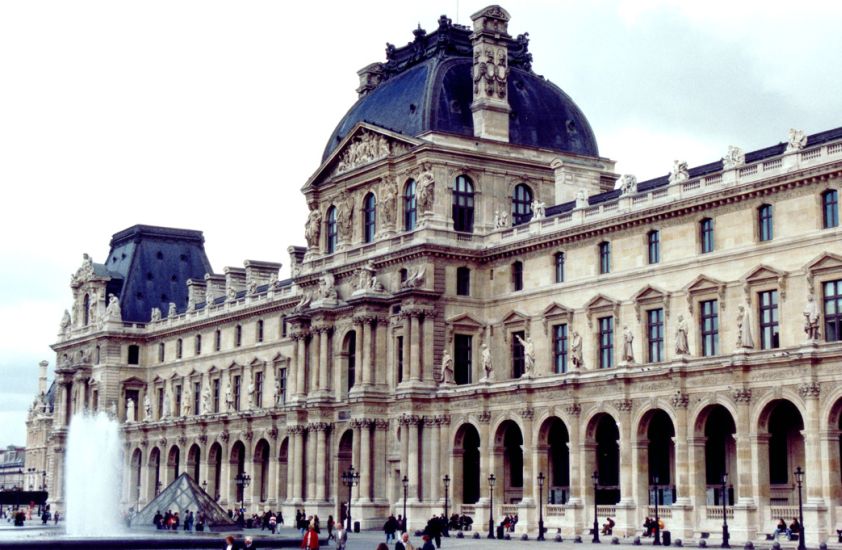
<point>482,294</point>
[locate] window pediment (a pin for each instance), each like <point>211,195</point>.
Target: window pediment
<point>704,285</point>
<point>512,321</point>
<point>555,313</point>
<point>463,323</point>
<point>764,275</point>
<point>600,305</point>
<point>257,363</point>
<point>825,263</point>
<point>651,296</point>
<point>133,382</point>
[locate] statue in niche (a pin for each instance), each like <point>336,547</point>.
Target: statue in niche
<point>744,339</point>
<point>313,228</point>
<point>112,312</point>
<point>426,189</point>
<point>147,407</point>
<point>628,348</point>
<point>528,355</point>
<point>229,396</point>
<point>387,202</point>
<point>811,318</point>
<point>92,307</point>
<point>446,369</point>
<point>539,210</point>
<point>276,395</point>
<point>576,356</point>
<point>130,412</point>
<point>344,218</point>
<point>186,405</point>
<point>166,412</point>
<point>487,366</point>
<point>64,327</point>
<point>156,315</point>
<point>251,395</point>
<point>206,400</point>
<point>682,347</point>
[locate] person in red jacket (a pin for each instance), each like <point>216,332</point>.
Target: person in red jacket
<point>311,539</point>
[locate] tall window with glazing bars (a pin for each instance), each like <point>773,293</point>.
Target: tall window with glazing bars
<point>833,311</point>
<point>369,217</point>
<point>604,257</point>
<point>655,334</point>
<point>653,239</point>
<point>606,342</point>
<point>560,348</point>
<point>769,329</point>
<point>410,206</point>
<point>709,327</point>
<point>521,204</point>
<point>765,228</point>
<point>463,205</point>
<point>830,209</point>
<point>559,267</point>
<point>331,230</point>
<point>706,235</point>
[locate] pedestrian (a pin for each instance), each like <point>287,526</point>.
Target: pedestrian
<point>403,543</point>
<point>341,537</point>
<point>433,529</point>
<point>331,525</point>
<point>382,546</point>
<point>390,527</point>
<point>428,544</point>
<point>229,543</point>
<point>248,544</point>
<point>310,541</point>
<point>273,523</point>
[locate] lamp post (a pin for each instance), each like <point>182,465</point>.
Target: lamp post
<point>158,487</point>
<point>405,482</point>
<point>205,486</point>
<point>725,535</point>
<point>541,506</point>
<point>657,541</point>
<point>491,481</point>
<point>349,479</point>
<point>243,481</point>
<point>446,480</point>
<point>595,478</point>
<point>799,478</point>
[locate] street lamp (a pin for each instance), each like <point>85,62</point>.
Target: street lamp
<point>799,478</point>
<point>405,482</point>
<point>158,485</point>
<point>349,479</point>
<point>243,481</point>
<point>491,481</point>
<point>446,480</point>
<point>595,478</point>
<point>205,486</point>
<point>541,506</point>
<point>725,535</point>
<point>657,541</point>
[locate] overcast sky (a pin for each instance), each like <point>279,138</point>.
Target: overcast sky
<point>211,115</point>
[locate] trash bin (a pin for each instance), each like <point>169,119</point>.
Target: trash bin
<point>500,532</point>
<point>356,527</point>
<point>666,538</point>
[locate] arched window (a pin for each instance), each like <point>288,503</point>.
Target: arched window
<point>260,330</point>
<point>517,275</point>
<point>410,209</point>
<point>198,345</point>
<point>86,307</point>
<point>179,349</point>
<point>238,336</point>
<point>331,230</point>
<point>521,204</point>
<point>463,205</point>
<point>351,351</point>
<point>764,222</point>
<point>369,217</point>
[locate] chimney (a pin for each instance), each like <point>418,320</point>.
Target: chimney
<point>42,377</point>
<point>490,73</point>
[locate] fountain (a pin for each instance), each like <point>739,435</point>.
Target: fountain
<point>93,473</point>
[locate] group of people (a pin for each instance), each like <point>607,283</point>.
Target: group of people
<point>172,521</point>
<point>460,523</point>
<point>650,524</point>
<point>782,529</point>
<point>508,522</point>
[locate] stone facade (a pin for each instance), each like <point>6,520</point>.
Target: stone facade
<point>667,332</point>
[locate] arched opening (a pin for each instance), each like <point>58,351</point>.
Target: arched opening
<point>237,468</point>
<point>283,470</point>
<point>344,459</point>
<point>369,217</point>
<point>137,466</point>
<point>717,428</point>
<point>508,460</point>
<point>782,420</point>
<point>154,476</point>
<point>215,471</point>
<point>261,470</point>
<point>605,439</point>
<point>656,449</point>
<point>330,230</point>
<point>349,349</point>
<point>521,204</point>
<point>466,465</point>
<point>410,206</point>
<point>173,465</point>
<point>86,309</point>
<point>463,204</point>
<point>194,456</point>
<point>554,459</point>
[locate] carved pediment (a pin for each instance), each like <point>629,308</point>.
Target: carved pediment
<point>279,358</point>
<point>463,322</point>
<point>648,296</point>
<point>761,275</point>
<point>213,369</point>
<point>256,362</point>
<point>556,312</point>
<point>133,382</point>
<point>601,304</point>
<point>514,317</point>
<point>704,285</point>
<point>823,263</point>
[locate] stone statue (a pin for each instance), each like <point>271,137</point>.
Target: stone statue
<point>487,366</point>
<point>734,158</point>
<point>446,369</point>
<point>327,287</point>
<point>388,202</point>
<point>304,303</point>
<point>251,395</point>
<point>130,412</point>
<point>744,339</point>
<point>156,315</point>
<point>276,396</point>
<point>679,172</point>
<point>166,412</point>
<point>797,140</point>
<point>539,210</point>
<point>252,288</point>
<point>147,408</point>
<point>628,348</point>
<point>501,219</point>
<point>186,405</point>
<point>112,410</point>
<point>171,310</point>
<point>682,347</point>
<point>205,400</point>
<point>344,219</point>
<point>528,355</point>
<point>415,278</point>
<point>313,228</point>
<point>92,308</point>
<point>366,279</point>
<point>628,184</point>
<point>576,356</point>
<point>229,397</point>
<point>231,293</point>
<point>581,198</point>
<point>426,190</point>
<point>112,312</point>
<point>811,318</point>
<point>64,327</point>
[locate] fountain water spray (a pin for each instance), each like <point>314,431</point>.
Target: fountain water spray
<point>93,473</point>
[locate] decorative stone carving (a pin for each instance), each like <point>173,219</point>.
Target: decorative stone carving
<point>484,417</point>
<point>156,315</point>
<point>628,347</point>
<point>539,210</point>
<point>446,369</point>
<point>203,438</point>
<point>186,405</point>
<point>528,356</point>
<point>734,158</point>
<point>250,395</point>
<point>809,390</point>
<point>172,311</point>
<point>490,71</point>
<point>147,408</point>
<point>229,396</point>
<point>744,339</point>
<point>366,147</point>
<point>680,400</point>
<point>366,279</point>
<point>487,366</point>
<point>501,219</point>
<point>64,326</point>
<point>85,272</point>
<point>304,303</point>
<point>742,395</point>
<point>206,408</point>
<point>679,172</point>
<point>527,413</point>
<point>581,198</point>
<point>576,357</point>
<point>167,407</point>
<point>327,288</point>
<point>344,219</point>
<point>811,318</point>
<point>623,405</point>
<point>112,312</point>
<point>313,227</point>
<point>224,436</point>
<point>130,410</point>
<point>387,203</point>
<point>426,188</point>
<point>628,184</point>
<point>230,296</point>
<point>574,409</point>
<point>273,432</point>
<point>682,347</point>
<point>415,278</point>
<point>796,140</point>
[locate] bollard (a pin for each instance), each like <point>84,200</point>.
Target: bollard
<point>578,539</point>
<point>558,538</point>
<point>703,543</point>
<point>678,542</point>
<point>636,541</point>
<point>524,537</point>
<point>748,546</point>
<point>615,540</point>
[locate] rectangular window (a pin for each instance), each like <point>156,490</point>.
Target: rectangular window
<point>462,361</point>
<point>198,344</point>
<point>654,240</point>
<point>833,311</point>
<point>260,330</point>
<point>559,267</point>
<point>655,334</point>
<point>517,354</point>
<point>604,257</point>
<point>399,358</point>
<point>769,324</point>
<point>133,352</point>
<point>706,235</point>
<point>197,397</point>
<point>282,386</point>
<point>283,327</point>
<point>160,403</point>
<point>237,393</point>
<point>216,395</point>
<point>179,349</point>
<point>764,222</point>
<point>560,348</point>
<point>517,276</point>
<point>463,281</point>
<point>177,411</point>
<point>238,335</point>
<point>830,209</point>
<point>710,327</point>
<point>606,342</point>
<point>217,340</point>
<point>161,352</point>
<point>258,389</point>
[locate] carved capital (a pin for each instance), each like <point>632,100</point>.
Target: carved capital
<point>809,390</point>
<point>574,409</point>
<point>742,395</point>
<point>680,400</point>
<point>381,423</point>
<point>623,405</point>
<point>273,432</point>
<point>182,440</point>
<point>484,417</point>
<point>443,419</point>
<point>296,429</point>
<point>407,419</point>
<point>527,413</point>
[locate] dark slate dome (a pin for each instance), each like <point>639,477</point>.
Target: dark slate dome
<point>427,86</point>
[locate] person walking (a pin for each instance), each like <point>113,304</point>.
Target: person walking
<point>390,527</point>
<point>341,537</point>
<point>428,544</point>
<point>273,523</point>
<point>331,524</point>
<point>310,541</point>
<point>403,543</point>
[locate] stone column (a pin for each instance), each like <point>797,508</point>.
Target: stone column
<point>413,465</point>
<point>744,527</point>
<point>324,355</point>
<point>682,510</point>
<point>382,355</point>
<point>356,452</point>
<point>485,468</point>
<point>292,372</point>
<point>815,507</point>
<point>404,423</point>
<point>527,512</point>
<point>432,425</point>
<point>427,366</point>
<point>296,460</point>
<point>290,496</point>
<point>626,508</point>
<point>414,348</point>
<point>320,464</point>
<point>380,468</point>
<point>573,516</point>
<point>224,471</point>
<point>367,374</point>
<point>310,464</point>
<point>272,474</point>
<point>407,334</point>
<point>315,358</point>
